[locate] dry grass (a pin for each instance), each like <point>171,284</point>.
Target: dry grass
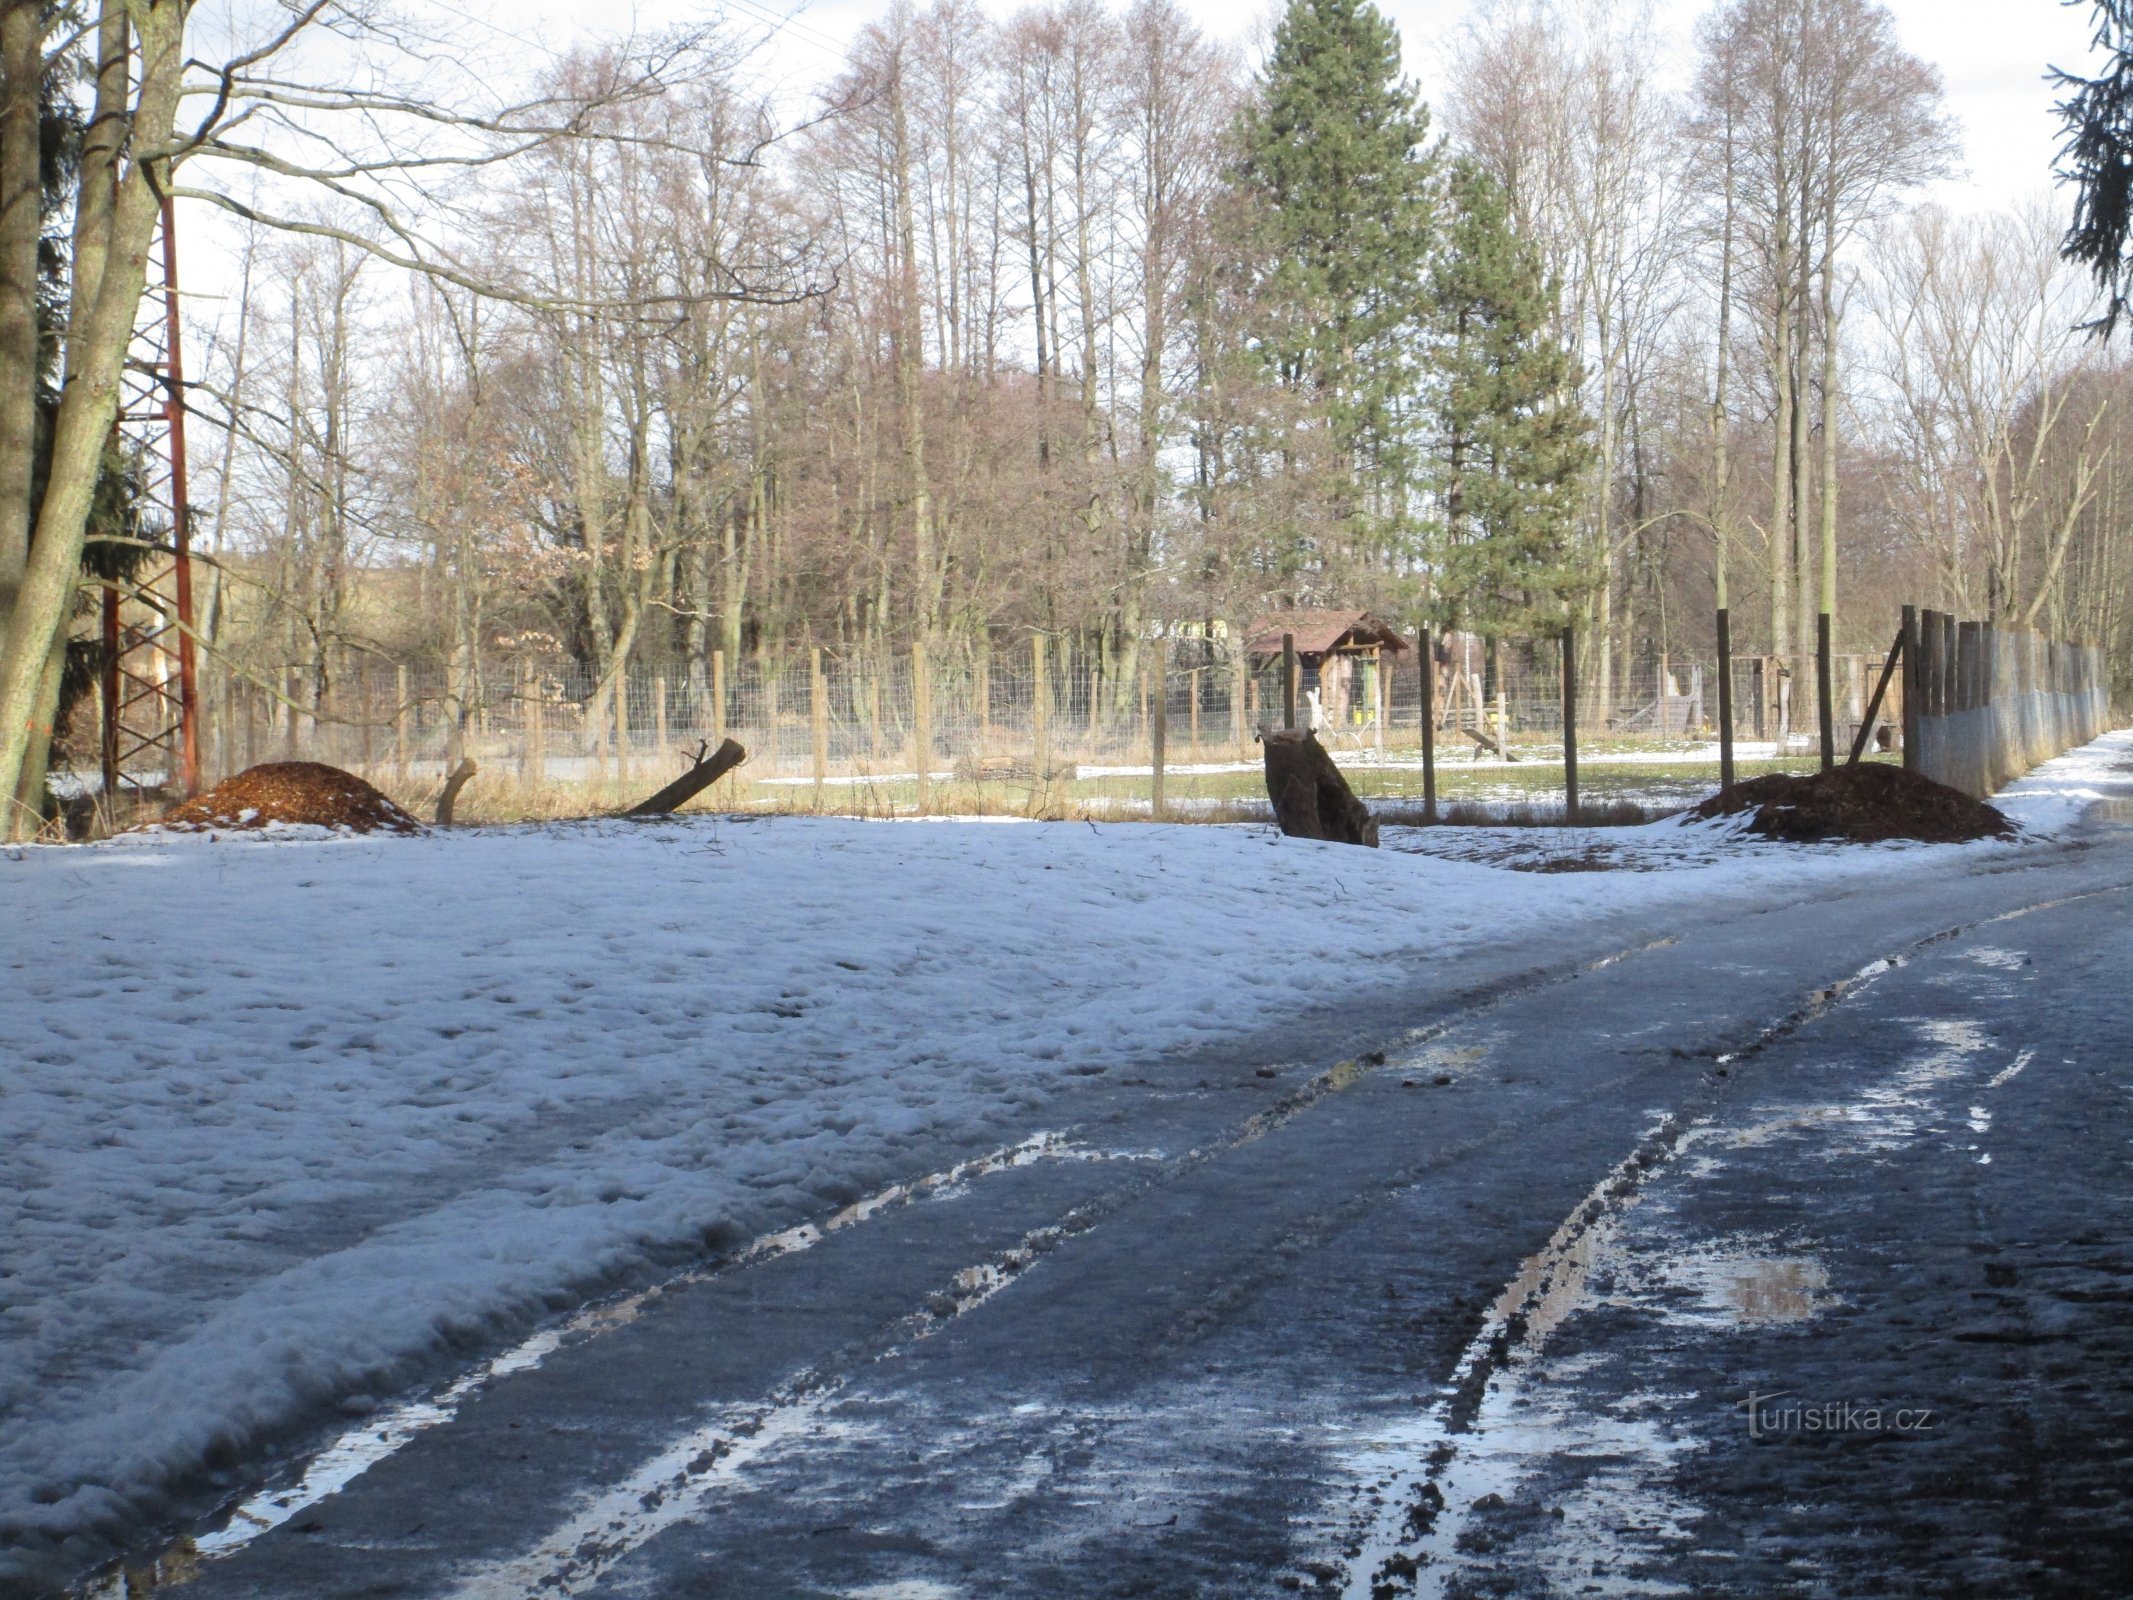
<point>500,793</point>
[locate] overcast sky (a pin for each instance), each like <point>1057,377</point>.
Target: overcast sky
<point>1992,53</point>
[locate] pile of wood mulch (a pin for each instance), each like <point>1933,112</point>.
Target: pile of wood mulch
<point>296,792</point>
<point>1861,805</point>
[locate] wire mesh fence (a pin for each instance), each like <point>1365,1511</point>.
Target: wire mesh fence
<point>978,729</point>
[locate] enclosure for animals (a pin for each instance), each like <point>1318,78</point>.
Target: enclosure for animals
<point>1029,729</point>
<point>1991,702</point>
<point>1038,730</point>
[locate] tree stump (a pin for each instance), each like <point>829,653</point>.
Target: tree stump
<point>1311,798</point>
<point>453,783</point>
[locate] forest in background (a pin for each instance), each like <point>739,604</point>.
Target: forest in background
<point>1079,325</point>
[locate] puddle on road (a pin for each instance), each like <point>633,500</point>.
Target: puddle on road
<point>1752,1290</point>
<point>1426,1484</point>
<point>179,1564</point>
<point>1431,1480</point>
<point>1776,1291</point>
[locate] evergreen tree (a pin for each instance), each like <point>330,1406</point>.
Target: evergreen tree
<point>1341,196</point>
<point>1512,440</point>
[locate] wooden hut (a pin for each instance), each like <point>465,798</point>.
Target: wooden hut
<point>1341,655</point>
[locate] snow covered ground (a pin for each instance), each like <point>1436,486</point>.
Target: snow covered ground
<point>286,1122</point>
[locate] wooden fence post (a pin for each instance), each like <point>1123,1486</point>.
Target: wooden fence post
<point>659,715</point>
<point>1928,659</point>
<point>1825,691</point>
<point>622,726</point>
<point>1725,698</point>
<point>526,768</point>
<point>1910,689</point>
<point>818,718</point>
<point>537,729</point>
<point>922,725</point>
<point>399,726</point>
<point>718,698</point>
<point>768,675</point>
<point>1288,680</point>
<point>1240,678</point>
<point>1429,728</point>
<point>1570,721</point>
<point>1155,686</point>
<point>1192,679</point>
<point>1040,696</point>
<point>1383,708</point>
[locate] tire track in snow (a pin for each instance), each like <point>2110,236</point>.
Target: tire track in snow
<point>362,1447</point>
<point>672,1485</point>
<point>378,1438</point>
<point>1416,1525</point>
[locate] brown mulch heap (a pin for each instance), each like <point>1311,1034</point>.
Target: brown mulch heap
<point>290,791</point>
<point>1863,805</point>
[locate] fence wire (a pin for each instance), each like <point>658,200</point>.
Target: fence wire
<point>812,721</point>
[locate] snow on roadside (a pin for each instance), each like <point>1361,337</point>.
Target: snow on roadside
<point>2050,798</point>
<point>287,1121</point>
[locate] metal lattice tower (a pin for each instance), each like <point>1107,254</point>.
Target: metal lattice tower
<point>151,679</point>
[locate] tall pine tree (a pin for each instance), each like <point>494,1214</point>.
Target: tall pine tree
<point>1512,441</point>
<point>1341,191</point>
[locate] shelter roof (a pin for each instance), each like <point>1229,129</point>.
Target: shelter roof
<point>1321,632</point>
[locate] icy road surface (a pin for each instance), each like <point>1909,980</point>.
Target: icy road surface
<point>1193,1296</point>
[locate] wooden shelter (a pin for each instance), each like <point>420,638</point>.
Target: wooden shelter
<point>1334,649</point>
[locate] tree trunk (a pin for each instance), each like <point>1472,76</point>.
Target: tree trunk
<point>115,220</point>
<point>22,29</point>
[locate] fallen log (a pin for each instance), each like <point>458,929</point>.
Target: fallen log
<point>1311,798</point>
<point>703,772</point>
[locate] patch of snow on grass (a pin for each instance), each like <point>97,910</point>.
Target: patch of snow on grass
<point>293,1122</point>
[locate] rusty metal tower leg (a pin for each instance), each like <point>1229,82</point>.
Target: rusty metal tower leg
<point>151,673</point>
<point>181,516</point>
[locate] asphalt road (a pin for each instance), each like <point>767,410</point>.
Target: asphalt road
<point>1783,1251</point>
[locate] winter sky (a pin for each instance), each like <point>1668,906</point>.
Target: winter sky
<point>1992,53</point>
